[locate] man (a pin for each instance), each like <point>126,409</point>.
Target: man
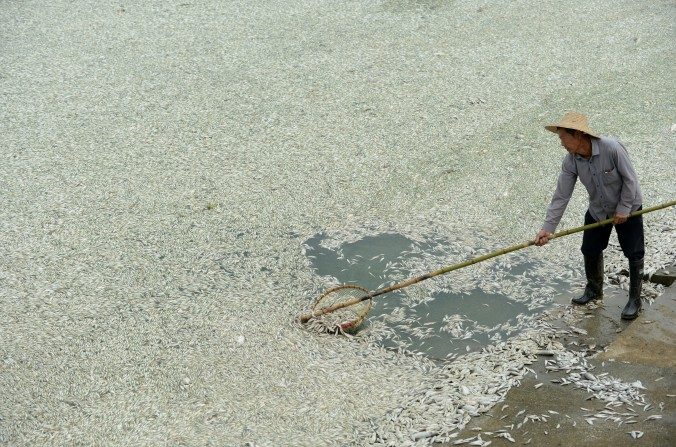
<point>603,167</point>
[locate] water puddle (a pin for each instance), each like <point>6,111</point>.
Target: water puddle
<point>452,316</point>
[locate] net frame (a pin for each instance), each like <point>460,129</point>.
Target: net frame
<point>360,309</point>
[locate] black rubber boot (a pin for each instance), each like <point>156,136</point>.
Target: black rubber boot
<point>593,269</point>
<point>635,282</point>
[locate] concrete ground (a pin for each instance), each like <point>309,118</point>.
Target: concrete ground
<point>643,349</point>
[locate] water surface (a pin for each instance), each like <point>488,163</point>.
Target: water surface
<point>440,324</point>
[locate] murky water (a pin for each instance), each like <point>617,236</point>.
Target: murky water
<point>439,325</point>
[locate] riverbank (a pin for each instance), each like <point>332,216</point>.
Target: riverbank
<point>641,350</point>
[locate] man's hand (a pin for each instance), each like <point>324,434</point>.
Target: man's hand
<point>620,218</point>
<point>542,237</point>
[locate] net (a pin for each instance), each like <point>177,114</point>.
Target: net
<point>346,319</point>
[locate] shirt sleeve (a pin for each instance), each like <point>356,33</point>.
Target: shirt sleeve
<point>629,179</point>
<point>564,190</point>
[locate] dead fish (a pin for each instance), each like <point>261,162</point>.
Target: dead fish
<point>588,376</point>
<point>635,434</point>
<point>505,435</point>
<point>638,385</point>
<point>422,435</point>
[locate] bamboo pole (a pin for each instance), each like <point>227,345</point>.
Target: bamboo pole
<point>305,318</point>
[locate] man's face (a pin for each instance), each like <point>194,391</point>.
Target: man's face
<point>570,142</point>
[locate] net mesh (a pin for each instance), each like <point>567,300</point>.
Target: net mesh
<point>348,318</point>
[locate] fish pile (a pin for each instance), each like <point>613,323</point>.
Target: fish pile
<point>474,383</point>
<point>601,386</point>
<point>469,386</point>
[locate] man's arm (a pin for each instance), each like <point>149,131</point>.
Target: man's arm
<point>564,191</point>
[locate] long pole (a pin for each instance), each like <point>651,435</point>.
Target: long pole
<point>305,318</point>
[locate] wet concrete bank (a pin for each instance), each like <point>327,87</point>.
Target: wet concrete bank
<point>642,350</point>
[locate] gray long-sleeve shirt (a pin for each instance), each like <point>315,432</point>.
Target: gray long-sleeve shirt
<point>609,178</point>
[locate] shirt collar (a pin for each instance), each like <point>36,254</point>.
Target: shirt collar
<point>595,150</point>
<point>595,147</point>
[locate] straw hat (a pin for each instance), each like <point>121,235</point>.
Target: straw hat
<point>573,120</point>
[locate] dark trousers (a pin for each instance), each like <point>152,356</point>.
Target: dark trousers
<point>630,235</point>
